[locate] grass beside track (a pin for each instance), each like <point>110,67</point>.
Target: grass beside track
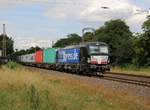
<point>134,71</point>
<point>22,89</point>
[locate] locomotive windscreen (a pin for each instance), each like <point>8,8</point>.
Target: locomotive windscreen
<point>98,49</point>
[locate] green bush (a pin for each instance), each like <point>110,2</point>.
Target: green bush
<point>128,67</point>
<point>13,65</point>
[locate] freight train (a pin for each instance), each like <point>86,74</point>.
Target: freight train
<point>89,58</point>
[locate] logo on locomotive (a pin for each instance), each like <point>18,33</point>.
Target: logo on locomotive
<point>69,55</point>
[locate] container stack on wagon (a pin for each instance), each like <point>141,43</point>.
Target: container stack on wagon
<point>49,58</point>
<point>39,57</point>
<point>28,59</point>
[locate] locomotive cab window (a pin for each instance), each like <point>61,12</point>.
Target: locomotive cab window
<point>98,49</point>
<point>104,49</point>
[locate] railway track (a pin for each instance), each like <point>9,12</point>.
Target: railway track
<point>128,78</point>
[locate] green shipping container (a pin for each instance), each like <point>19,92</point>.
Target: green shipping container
<point>50,55</point>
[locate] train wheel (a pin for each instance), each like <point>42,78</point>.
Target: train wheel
<point>99,74</point>
<point>77,71</point>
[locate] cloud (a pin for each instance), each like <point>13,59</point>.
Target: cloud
<point>66,9</point>
<point>91,11</point>
<point>24,40</point>
<point>26,37</point>
<point>4,2</point>
<point>86,10</point>
<point>135,22</point>
<point>13,3</point>
<point>117,9</point>
<point>25,43</point>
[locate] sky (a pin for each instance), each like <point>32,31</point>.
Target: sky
<point>39,22</point>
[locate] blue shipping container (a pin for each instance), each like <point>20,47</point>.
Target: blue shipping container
<point>69,55</point>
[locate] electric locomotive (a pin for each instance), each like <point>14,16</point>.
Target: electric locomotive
<point>91,57</point>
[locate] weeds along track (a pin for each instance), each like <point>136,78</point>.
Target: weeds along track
<point>120,77</point>
<point>128,78</point>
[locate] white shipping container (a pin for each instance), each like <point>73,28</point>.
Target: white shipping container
<point>30,58</point>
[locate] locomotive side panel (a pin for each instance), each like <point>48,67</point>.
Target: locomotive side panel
<point>69,56</point>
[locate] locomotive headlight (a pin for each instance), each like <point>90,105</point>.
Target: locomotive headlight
<point>97,44</point>
<point>88,60</point>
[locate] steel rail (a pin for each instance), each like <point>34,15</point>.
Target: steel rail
<point>127,74</point>
<point>127,78</point>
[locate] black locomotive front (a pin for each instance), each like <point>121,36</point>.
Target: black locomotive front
<point>95,57</point>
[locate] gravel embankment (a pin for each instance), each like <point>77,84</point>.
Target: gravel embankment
<point>129,89</point>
